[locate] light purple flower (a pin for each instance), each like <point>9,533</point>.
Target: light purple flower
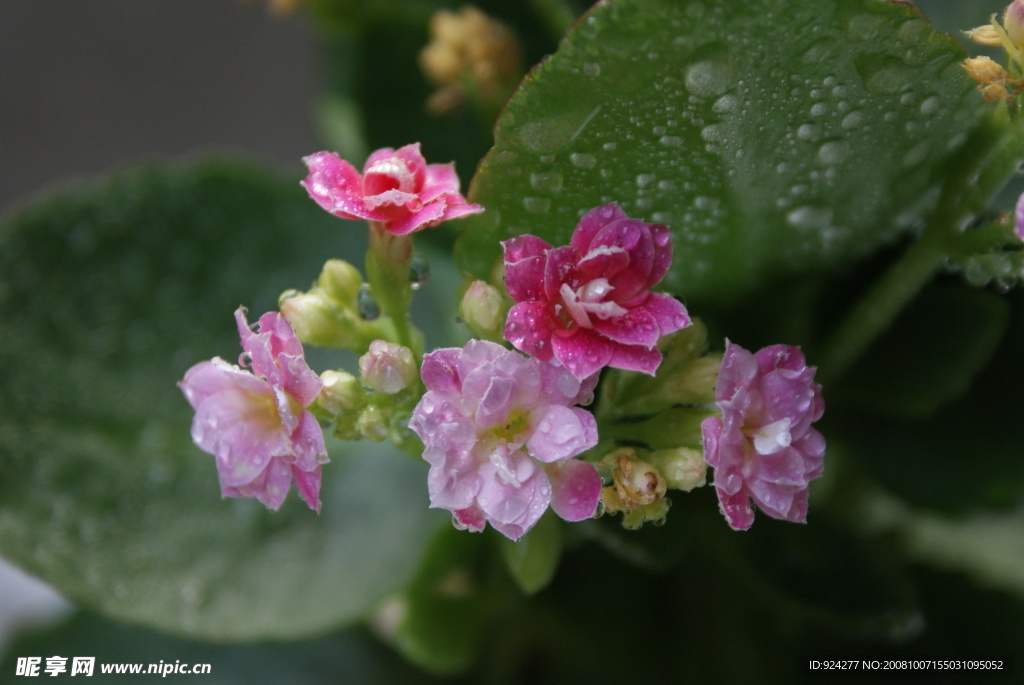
<point>763,447</point>
<point>589,304</point>
<point>397,189</point>
<point>500,434</point>
<point>255,424</point>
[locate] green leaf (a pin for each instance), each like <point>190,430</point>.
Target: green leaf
<point>533,559</point>
<point>109,293</point>
<point>774,138</point>
<point>445,609</point>
<point>923,362</point>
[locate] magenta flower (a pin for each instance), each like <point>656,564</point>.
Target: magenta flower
<point>255,424</point>
<point>500,433</point>
<point>589,304</point>
<point>763,447</point>
<point>398,189</point>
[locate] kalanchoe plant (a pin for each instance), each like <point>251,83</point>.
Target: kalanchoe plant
<point>706,153</point>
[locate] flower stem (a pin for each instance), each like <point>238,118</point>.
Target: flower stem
<point>987,159</point>
<point>387,270</point>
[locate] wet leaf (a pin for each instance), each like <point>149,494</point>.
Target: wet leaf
<point>109,293</point>
<point>775,138</point>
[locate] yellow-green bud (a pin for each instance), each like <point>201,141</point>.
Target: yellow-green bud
<point>340,281</point>
<point>340,393</point>
<point>636,482</point>
<point>373,424</point>
<point>388,368</point>
<point>483,311</point>
<point>683,468</point>
<point>312,317</point>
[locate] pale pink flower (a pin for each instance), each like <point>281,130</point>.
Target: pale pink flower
<point>500,434</point>
<point>763,447</point>
<point>397,189</point>
<point>255,424</point>
<point>589,304</point>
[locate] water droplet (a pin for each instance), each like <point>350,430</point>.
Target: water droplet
<point>833,152</point>
<point>931,106</point>
<point>854,119</point>
<point>671,141</point>
<point>536,205</point>
<point>917,154</point>
<point>709,78</point>
<point>809,217</point>
<point>592,69</point>
<point>808,132</point>
<point>706,204</point>
<point>645,180</point>
<point>610,145</point>
<point>546,181</point>
<point>582,160</point>
<point>368,307</point>
<point>819,109</point>
<point>419,270</point>
<point>724,104</point>
<point>713,132</point>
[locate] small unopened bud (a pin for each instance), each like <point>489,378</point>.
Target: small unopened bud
<point>483,311</point>
<point>340,281</point>
<point>985,70</point>
<point>388,368</point>
<point>683,468</point>
<point>985,35</point>
<point>340,393</point>
<point>312,317</point>
<point>1013,23</point>
<point>373,424</point>
<point>636,482</point>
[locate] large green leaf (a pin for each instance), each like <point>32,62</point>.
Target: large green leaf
<point>108,294</point>
<point>774,138</point>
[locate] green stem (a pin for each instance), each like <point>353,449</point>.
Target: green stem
<point>987,159</point>
<point>387,270</point>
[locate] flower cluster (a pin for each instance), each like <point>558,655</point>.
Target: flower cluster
<point>500,431</point>
<point>255,423</point>
<point>763,447</point>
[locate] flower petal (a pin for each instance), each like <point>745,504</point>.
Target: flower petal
<point>575,489</point>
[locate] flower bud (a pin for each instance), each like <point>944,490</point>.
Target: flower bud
<point>985,70</point>
<point>388,368</point>
<point>682,468</point>
<point>373,424</point>
<point>340,281</point>
<point>985,35</point>
<point>1013,23</point>
<point>483,311</point>
<point>340,393</point>
<point>312,316</point>
<point>637,483</point>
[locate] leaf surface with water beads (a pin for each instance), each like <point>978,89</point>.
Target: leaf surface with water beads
<point>773,138</point>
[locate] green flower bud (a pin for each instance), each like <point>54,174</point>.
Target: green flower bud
<point>341,392</point>
<point>340,281</point>
<point>683,468</point>
<point>373,424</point>
<point>483,311</point>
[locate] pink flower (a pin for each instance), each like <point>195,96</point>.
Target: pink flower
<point>255,424</point>
<point>589,304</point>
<point>500,434</point>
<point>397,189</point>
<point>763,447</point>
